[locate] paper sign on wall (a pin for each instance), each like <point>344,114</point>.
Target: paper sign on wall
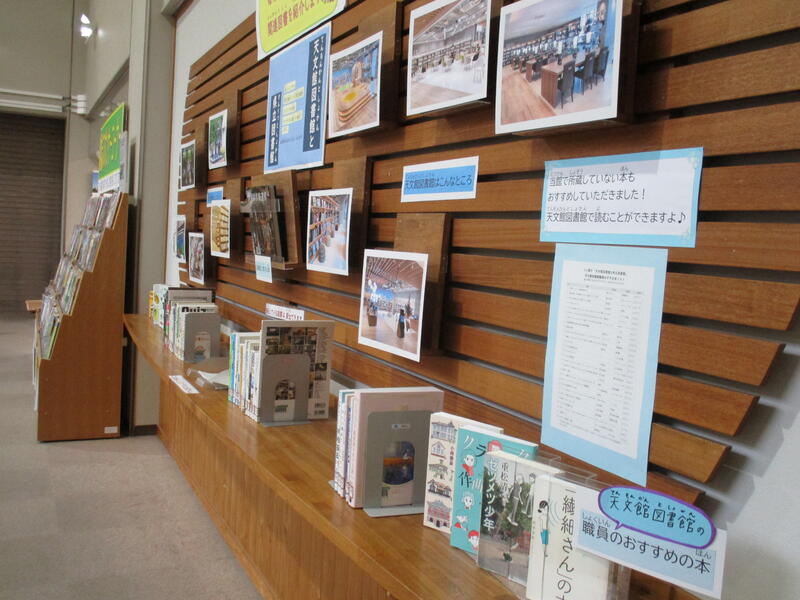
<point>696,569</point>
<point>281,21</point>
<point>109,150</point>
<point>455,179</point>
<point>602,354</point>
<point>645,199</point>
<point>263,268</point>
<point>297,104</point>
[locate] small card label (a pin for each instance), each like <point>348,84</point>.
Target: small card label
<point>109,430</point>
<point>182,383</point>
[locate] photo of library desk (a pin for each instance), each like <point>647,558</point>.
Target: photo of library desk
<point>267,491</point>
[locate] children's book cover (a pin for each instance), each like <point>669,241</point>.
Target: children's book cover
<point>471,448</point>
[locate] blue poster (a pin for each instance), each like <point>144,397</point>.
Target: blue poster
<point>602,353</point>
<point>296,104</point>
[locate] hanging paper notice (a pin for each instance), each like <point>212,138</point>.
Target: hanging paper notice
<point>281,21</point>
<point>263,268</point>
<point>296,104</point>
<point>696,569</point>
<point>284,313</point>
<point>645,199</point>
<point>109,150</point>
<point>455,179</point>
<point>602,353</point>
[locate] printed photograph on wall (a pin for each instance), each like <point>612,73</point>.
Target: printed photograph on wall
<point>220,228</point>
<point>217,137</point>
<point>558,63</point>
<point>197,258</point>
<point>180,238</point>
<point>448,54</point>
<point>328,239</point>
<point>392,298</point>
<point>187,179</point>
<point>354,98</point>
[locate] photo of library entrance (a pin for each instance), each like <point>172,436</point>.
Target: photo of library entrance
<point>391,303</point>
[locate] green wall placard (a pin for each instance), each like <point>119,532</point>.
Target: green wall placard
<point>110,134</point>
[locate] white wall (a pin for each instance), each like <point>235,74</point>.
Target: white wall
<point>108,49</point>
<point>203,24</point>
<point>35,38</point>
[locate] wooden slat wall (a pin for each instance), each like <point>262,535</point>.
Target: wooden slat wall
<point>723,75</point>
<point>31,166</point>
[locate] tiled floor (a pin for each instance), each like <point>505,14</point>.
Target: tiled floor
<point>105,519</point>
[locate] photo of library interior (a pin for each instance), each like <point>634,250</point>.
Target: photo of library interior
<point>448,54</point>
<point>511,312</point>
<point>557,58</point>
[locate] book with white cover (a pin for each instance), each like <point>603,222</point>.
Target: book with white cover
<point>343,408</point>
<point>441,472</point>
<point>368,401</point>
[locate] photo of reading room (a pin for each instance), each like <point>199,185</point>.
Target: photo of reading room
<point>447,64</point>
<point>391,303</point>
<point>557,59</point>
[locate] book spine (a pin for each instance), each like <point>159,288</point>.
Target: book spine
<point>341,444</point>
<point>350,456</point>
<point>231,367</point>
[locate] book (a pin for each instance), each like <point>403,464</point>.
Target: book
<point>176,294</point>
<point>198,331</point>
<point>295,370</point>
<point>236,387</point>
<point>472,444</point>
<point>344,407</point>
<point>514,513</point>
<point>265,222</point>
<point>441,471</point>
<point>367,402</point>
<point>567,570</point>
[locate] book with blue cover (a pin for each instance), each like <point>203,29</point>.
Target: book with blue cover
<point>471,448</point>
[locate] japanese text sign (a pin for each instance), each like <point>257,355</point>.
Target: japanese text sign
<point>263,268</point>
<point>658,515</point>
<point>284,313</point>
<point>455,179</point>
<point>645,199</point>
<point>281,21</point>
<point>296,104</point>
<point>696,569</point>
<point>109,150</point>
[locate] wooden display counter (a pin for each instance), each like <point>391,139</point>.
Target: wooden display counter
<point>268,493</point>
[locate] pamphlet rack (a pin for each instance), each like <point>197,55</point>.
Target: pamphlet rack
<point>79,386</point>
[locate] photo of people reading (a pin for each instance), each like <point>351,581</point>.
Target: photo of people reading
<point>392,297</point>
<point>558,63</point>
<point>447,63</point>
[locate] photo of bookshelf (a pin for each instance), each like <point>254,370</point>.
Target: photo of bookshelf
<point>448,50</point>
<point>328,236</point>
<point>558,63</point>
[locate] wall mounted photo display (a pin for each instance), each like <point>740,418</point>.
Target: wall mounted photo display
<point>392,301</point>
<point>218,139</point>
<point>328,233</point>
<point>279,22</point>
<point>448,62</point>
<point>187,161</point>
<point>602,355</point>
<point>220,229</point>
<point>354,98</point>
<point>558,63</point>
<point>197,257</point>
<point>180,238</point>
<point>296,104</point>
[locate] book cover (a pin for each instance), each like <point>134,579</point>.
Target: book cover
<point>568,571</point>
<point>265,220</point>
<point>368,401</point>
<point>343,407</point>
<point>471,447</point>
<point>514,511</point>
<point>441,471</point>
<point>311,339</point>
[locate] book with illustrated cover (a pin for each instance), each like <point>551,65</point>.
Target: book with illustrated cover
<point>441,472</point>
<point>197,332</point>
<point>471,447</point>
<point>343,409</point>
<point>265,222</point>
<point>91,210</point>
<point>301,351</point>
<point>565,566</point>
<point>367,402</point>
<point>180,294</point>
<point>514,513</point>
<point>236,387</point>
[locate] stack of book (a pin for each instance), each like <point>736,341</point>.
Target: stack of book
<point>281,375</point>
<point>189,318</point>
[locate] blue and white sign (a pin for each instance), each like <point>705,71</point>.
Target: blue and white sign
<point>696,569</point>
<point>214,193</point>
<point>455,179</point>
<point>263,268</point>
<point>644,199</point>
<point>296,104</point>
<point>602,354</point>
